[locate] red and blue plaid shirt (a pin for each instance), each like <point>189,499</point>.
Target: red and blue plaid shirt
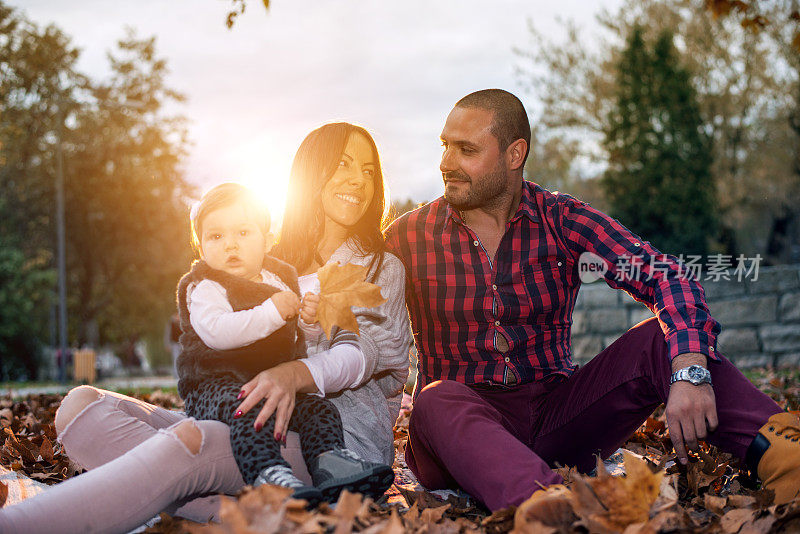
<point>459,300</point>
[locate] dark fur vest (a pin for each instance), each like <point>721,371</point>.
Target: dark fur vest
<point>197,361</point>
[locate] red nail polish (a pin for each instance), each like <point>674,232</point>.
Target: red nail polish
<point>278,437</point>
<point>241,394</point>
<point>259,426</point>
<point>237,415</point>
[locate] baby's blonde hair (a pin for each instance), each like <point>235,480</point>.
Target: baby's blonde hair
<point>225,195</point>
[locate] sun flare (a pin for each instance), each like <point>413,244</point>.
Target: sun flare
<point>266,173</point>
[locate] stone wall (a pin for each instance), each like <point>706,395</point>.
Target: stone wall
<point>760,319</point>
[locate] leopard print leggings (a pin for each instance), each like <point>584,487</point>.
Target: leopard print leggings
<point>314,418</point>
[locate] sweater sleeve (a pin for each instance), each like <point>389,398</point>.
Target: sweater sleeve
<point>340,367</point>
<point>385,334</point>
<point>221,328</point>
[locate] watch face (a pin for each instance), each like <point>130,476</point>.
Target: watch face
<point>696,373</point>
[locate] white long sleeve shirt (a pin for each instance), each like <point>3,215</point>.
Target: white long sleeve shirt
<point>340,367</point>
<point>221,328</point>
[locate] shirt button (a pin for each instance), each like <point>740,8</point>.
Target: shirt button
<point>497,323</point>
<point>559,264</point>
<point>475,243</point>
<point>711,349</point>
<point>636,244</point>
<point>494,286</point>
<point>507,359</point>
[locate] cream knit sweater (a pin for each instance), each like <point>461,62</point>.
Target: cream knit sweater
<point>370,409</point>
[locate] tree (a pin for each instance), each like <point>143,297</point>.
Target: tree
<point>756,15</point>
<point>237,8</point>
<point>38,84</point>
<point>127,225</point>
<point>126,218</point>
<point>744,90</point>
<point>25,292</point>
<point>658,180</point>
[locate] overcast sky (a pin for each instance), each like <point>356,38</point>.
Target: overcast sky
<point>255,91</point>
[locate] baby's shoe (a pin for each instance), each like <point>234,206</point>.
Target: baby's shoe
<point>342,469</point>
<point>281,475</point>
<point>775,452</point>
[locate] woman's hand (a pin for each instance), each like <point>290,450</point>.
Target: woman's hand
<point>309,307</point>
<point>278,386</point>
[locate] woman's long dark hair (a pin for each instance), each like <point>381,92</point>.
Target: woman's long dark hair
<point>304,219</point>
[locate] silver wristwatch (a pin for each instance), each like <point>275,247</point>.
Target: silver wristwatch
<point>695,374</point>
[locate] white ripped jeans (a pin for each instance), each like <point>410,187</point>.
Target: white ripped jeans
<point>138,467</point>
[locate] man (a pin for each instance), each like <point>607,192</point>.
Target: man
<point>491,284</point>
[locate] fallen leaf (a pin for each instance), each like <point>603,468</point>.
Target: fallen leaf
<point>6,416</point>
<point>3,493</point>
<point>341,287</point>
<point>733,520</point>
<point>394,525</point>
<point>741,501</point>
<point>668,521</point>
<point>433,515</point>
<point>715,504</point>
<point>347,508</point>
<point>610,504</point>
<point>550,508</point>
<point>46,450</point>
<point>667,495</point>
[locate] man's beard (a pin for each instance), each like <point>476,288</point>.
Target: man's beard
<point>480,193</point>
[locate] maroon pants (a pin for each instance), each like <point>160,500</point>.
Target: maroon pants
<point>499,445</point>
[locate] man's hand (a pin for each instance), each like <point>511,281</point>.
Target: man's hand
<point>691,410</point>
<point>287,303</point>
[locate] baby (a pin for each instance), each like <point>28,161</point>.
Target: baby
<point>238,308</point>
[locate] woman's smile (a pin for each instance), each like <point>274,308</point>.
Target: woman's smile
<point>350,198</point>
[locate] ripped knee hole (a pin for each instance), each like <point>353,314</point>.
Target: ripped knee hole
<point>71,405</point>
<point>190,436</point>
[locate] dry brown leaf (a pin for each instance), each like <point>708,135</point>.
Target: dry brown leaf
<point>610,504</point>
<point>545,509</point>
<point>668,521</point>
<point>394,525</point>
<point>733,520</point>
<point>347,508</point>
<point>639,528</point>
<point>341,287</point>
<point>433,515</point>
<point>3,493</point>
<point>46,450</point>
<point>667,496</point>
<point>714,503</point>
<point>413,513</point>
<point>500,520</point>
<point>741,501</point>
<point>6,416</point>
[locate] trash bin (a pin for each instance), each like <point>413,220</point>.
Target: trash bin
<point>84,370</point>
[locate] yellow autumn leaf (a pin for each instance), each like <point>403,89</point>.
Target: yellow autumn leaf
<point>609,504</point>
<point>341,287</point>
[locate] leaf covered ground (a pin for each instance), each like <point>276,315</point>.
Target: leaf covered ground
<point>715,494</point>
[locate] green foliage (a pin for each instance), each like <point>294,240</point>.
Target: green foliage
<point>127,226</point>
<point>25,294</point>
<point>126,223</point>
<point>658,180</point>
<point>747,87</point>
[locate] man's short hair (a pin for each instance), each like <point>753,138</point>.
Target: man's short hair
<point>510,118</point>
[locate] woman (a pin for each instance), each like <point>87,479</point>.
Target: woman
<point>143,459</point>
